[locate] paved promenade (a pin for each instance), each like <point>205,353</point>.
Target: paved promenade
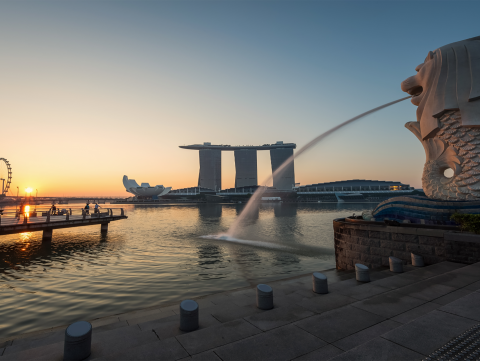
<point>395,317</point>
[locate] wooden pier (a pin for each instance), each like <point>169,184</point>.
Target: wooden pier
<point>47,222</point>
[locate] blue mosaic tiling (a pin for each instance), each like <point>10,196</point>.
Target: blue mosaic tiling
<point>423,210</point>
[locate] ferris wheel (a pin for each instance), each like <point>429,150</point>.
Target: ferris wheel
<point>5,176</point>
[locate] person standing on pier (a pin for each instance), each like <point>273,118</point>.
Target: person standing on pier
<point>96,208</point>
<point>54,209</point>
<point>87,208</point>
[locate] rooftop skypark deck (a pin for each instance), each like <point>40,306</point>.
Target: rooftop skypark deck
<point>208,145</point>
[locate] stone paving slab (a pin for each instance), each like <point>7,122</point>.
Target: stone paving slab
<point>168,349</point>
<point>107,327</point>
<point>426,290</point>
<point>362,291</point>
<point>397,281</point>
<point>204,356</point>
<point>327,302</point>
<point>143,314</point>
<point>120,340</point>
<point>283,343</point>
<point>467,306</point>
<point>22,344</point>
<point>366,335</point>
<point>416,312</point>
<point>454,279</point>
<point>104,321</point>
<point>389,305</point>
<point>278,317</point>
<point>473,286</point>
<point>379,349</point>
<point>169,327</point>
<point>427,333</point>
<point>337,324</point>
<point>212,337</point>
<point>452,296</point>
<point>321,354</point>
<point>132,320</point>
<point>230,312</point>
<point>50,352</point>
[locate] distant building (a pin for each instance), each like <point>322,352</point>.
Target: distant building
<point>355,190</point>
<point>285,179</point>
<point>210,174</point>
<point>245,167</point>
<point>145,190</point>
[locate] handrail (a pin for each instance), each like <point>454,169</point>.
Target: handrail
<point>14,217</point>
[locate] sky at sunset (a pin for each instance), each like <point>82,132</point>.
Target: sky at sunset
<point>94,90</point>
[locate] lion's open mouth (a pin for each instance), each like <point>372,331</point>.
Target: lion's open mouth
<point>416,91</point>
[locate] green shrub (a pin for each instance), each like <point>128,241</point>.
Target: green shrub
<point>467,222</point>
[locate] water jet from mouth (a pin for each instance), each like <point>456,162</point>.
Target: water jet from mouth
<point>230,235</point>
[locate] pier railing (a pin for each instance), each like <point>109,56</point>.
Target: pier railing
<point>47,215</point>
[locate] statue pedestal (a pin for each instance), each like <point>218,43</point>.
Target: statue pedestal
<point>372,243</point>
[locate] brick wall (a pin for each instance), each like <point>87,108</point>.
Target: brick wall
<point>371,243</point>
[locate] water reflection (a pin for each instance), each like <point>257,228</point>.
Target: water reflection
<point>210,211</point>
<point>285,210</point>
<point>157,256</point>
<point>29,250</point>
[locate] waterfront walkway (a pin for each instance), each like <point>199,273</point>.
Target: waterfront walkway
<point>395,317</point>
<point>12,225</point>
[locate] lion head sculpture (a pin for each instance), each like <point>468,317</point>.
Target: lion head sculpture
<point>448,79</point>
<point>446,90</point>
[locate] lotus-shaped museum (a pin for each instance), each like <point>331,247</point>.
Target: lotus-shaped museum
<point>145,190</point>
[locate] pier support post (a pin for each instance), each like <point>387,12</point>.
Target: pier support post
<point>47,235</point>
<point>104,228</point>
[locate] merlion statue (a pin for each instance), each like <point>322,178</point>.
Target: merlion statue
<point>446,90</point>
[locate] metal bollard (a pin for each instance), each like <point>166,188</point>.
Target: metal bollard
<point>417,260</point>
<point>68,216</point>
<point>78,341</point>
<point>264,297</point>
<point>188,315</point>
<point>396,264</point>
<point>362,272</point>
<point>320,283</point>
<point>48,216</point>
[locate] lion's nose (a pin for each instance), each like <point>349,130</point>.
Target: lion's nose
<point>409,84</point>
